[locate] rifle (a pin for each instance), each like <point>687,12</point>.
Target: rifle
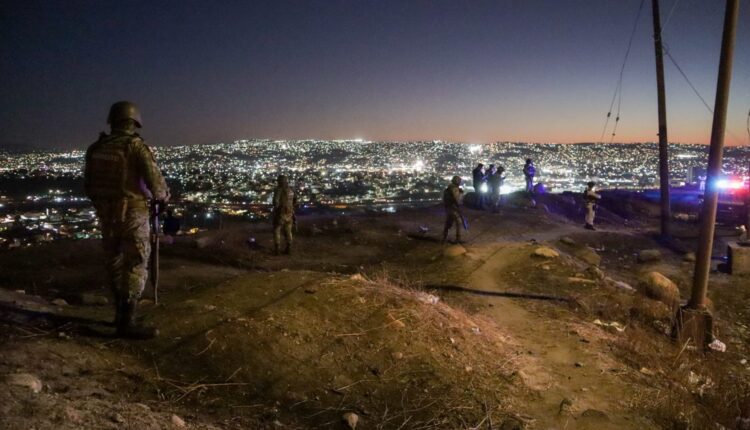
<point>153,266</point>
<point>464,221</point>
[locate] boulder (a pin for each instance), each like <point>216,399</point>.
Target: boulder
<point>454,251</point>
<point>649,256</point>
<point>659,287</point>
<point>589,256</point>
<point>689,257</point>
<point>350,419</point>
<point>546,252</point>
<point>25,380</point>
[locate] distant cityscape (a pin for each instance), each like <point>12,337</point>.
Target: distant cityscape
<point>41,192</point>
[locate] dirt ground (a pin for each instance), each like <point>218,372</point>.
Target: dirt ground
<point>373,317</point>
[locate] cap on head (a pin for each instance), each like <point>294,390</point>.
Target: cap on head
<point>528,161</point>
<point>124,110</point>
<point>456,180</point>
<point>591,184</point>
<point>282,180</point>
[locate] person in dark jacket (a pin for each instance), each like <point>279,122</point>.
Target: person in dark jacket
<point>479,180</point>
<point>528,172</point>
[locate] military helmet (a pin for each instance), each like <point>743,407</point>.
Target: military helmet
<point>124,110</point>
<point>456,180</point>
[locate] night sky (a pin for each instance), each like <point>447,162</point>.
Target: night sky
<point>472,71</point>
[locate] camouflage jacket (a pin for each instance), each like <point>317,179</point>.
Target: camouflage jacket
<point>284,202</point>
<point>452,197</point>
<point>120,166</point>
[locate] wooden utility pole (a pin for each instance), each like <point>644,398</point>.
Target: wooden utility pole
<point>695,321</point>
<point>666,214</point>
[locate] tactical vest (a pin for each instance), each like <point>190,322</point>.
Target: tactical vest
<point>107,167</point>
<point>286,201</point>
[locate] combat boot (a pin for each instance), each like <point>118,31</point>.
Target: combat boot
<point>288,250</point>
<point>128,326</point>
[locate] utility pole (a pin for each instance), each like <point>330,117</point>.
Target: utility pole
<point>666,214</point>
<point>694,321</point>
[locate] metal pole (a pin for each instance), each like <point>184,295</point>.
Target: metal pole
<point>663,141</point>
<point>711,196</point>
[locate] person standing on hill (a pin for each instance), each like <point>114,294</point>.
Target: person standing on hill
<point>284,201</point>
<point>495,181</point>
<point>591,198</point>
<point>120,178</point>
<point>479,178</point>
<point>528,172</point>
<point>452,199</point>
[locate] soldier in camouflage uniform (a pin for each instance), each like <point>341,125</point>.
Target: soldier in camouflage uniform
<point>284,202</point>
<point>120,178</point>
<point>452,198</point>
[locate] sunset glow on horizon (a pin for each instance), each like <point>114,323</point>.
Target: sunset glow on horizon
<point>535,71</point>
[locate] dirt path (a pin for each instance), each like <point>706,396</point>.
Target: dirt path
<point>578,385</point>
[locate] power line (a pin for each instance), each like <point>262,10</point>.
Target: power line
<point>669,16</point>
<point>618,88</point>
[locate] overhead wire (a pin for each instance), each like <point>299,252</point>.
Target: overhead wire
<point>618,87</point>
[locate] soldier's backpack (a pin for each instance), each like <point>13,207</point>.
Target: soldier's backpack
<point>107,167</point>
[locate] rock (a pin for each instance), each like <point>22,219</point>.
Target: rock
<point>659,287</point>
<point>311,290</point>
<point>649,256</point>
<point>568,241</point>
<point>454,251</point>
<point>177,421</point>
<point>351,419</point>
<point>72,415</point>
<point>93,299</point>
<point>25,380</point>
<point>689,257</point>
<point>579,364</point>
<point>589,256</point>
<point>595,415</point>
<point>565,406</point>
<point>59,302</point>
<point>357,277</point>
<point>397,355</point>
<point>546,252</point>
<point>646,371</point>
<point>118,418</point>
<point>143,406</point>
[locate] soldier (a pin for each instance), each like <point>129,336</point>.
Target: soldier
<point>284,202</point>
<point>120,177</point>
<point>591,197</point>
<point>528,172</point>
<point>452,198</point>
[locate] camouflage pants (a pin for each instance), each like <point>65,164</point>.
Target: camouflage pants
<point>452,218</point>
<point>279,227</point>
<point>127,248</point>
<point>590,213</point>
